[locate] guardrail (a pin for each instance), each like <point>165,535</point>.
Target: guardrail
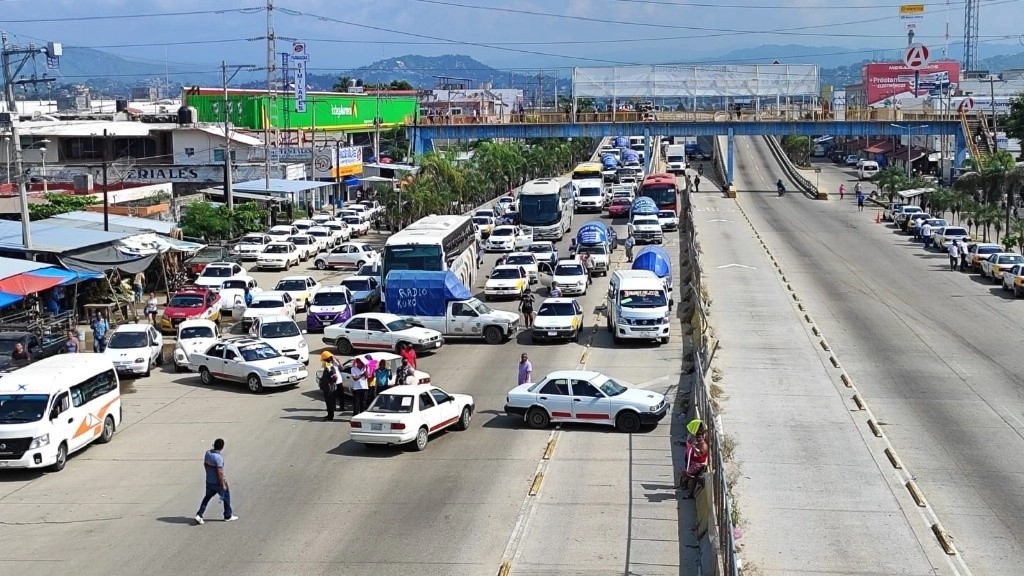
<point>719,515</point>
<point>673,116</point>
<point>789,168</point>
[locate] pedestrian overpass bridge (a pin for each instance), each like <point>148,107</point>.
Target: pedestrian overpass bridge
<point>558,126</point>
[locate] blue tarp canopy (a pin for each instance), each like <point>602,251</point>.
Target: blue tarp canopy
<point>422,293</point>
<point>655,259</point>
<point>352,181</point>
<point>19,278</point>
<point>643,205</point>
<point>621,142</point>
<point>592,233</point>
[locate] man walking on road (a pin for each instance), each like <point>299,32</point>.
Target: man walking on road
<point>954,255</point>
<point>860,201</point>
<point>525,370</point>
<point>329,382</point>
<point>926,234</point>
<point>696,184</point>
<point>216,482</point>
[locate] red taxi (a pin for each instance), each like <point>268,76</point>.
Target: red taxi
<point>190,303</point>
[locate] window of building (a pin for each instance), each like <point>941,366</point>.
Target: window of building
<point>82,148</point>
<point>190,152</point>
<point>135,147</point>
<point>218,155</point>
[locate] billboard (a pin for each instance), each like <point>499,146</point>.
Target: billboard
<point>887,83</point>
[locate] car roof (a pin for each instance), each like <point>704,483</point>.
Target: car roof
<point>530,254</point>
<point>220,264</point>
<point>196,322</point>
<point>133,327</point>
<point>269,295</point>
<point>275,318</point>
<point>334,288</point>
<point>241,340</point>
<point>515,267</point>
<point>278,243</point>
<point>357,277</point>
<point>49,375</point>
<point>378,356</point>
<point>568,261</point>
<point>357,244</point>
<point>582,374</point>
<point>558,301</point>
<point>384,316</point>
<point>294,278</point>
<point>409,389</point>
<point>192,291</point>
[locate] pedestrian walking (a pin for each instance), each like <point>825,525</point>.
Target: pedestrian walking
<point>151,307</point>
<point>954,255</point>
<point>860,201</point>
<point>842,191</point>
<point>588,265</point>
<point>72,345</point>
<point>526,307</point>
<point>926,234</point>
<point>917,229</point>
<point>138,285</point>
<point>409,354</point>
<point>100,326</point>
<point>329,379</point>
<point>525,375</point>
<point>696,184</point>
<point>360,387</point>
<point>630,243</point>
<point>216,482</point>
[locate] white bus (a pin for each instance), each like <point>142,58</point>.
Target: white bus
<point>433,243</point>
<point>546,207</point>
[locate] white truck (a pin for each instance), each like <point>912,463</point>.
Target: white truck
<point>675,158</point>
<point>439,301</point>
<point>638,306</point>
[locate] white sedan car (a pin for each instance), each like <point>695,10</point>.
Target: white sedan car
<point>307,245</point>
<point>216,273</point>
<point>507,239</point>
<point>669,220</point>
<point>525,260</point>
<point>544,251</point>
<point>234,289</point>
<point>135,348</point>
<point>193,336</point>
<point>405,414</point>
<point>571,277</point>
<point>281,232</point>
<point>506,282</point>
<point>278,255</point>
<point>947,234</point>
<point>301,289</point>
<point>380,331</point>
<point>324,237</point>
<point>350,255</point>
<point>249,247</point>
<point>247,360</point>
<point>339,230</point>
<point>357,225</point>
<point>283,334</point>
<point>558,319</point>
<point>994,266</point>
<point>584,396</point>
<point>269,303</point>
<point>1013,276</point>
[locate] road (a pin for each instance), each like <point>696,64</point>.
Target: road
<point>935,354</point>
<point>313,502</point>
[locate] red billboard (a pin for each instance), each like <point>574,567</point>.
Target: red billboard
<point>888,83</point>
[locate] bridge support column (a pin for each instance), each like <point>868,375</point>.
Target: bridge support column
<point>423,145</point>
<point>960,145</point>
<point>648,159</point>
<point>729,153</point>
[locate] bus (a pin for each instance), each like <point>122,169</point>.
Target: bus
<point>546,207</point>
<point>661,188</point>
<point>433,243</point>
<point>587,171</point>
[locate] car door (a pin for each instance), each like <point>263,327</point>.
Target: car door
<point>464,320</point>
<point>554,395</point>
<point>156,344</point>
<point>429,411</point>
<point>355,332</point>
<point>588,403</point>
<point>66,420</point>
<point>233,367</point>
<point>448,411</point>
<point>378,336</point>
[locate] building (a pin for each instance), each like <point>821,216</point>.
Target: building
<point>492,105</point>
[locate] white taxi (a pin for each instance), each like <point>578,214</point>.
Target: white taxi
<point>300,288</point>
<point>558,319</point>
<point>216,273</point>
<point>193,336</point>
<point>135,348</point>
<point>1013,279</point>
<point>283,334</point>
<point>380,331</point>
<point>506,282</point>
<point>258,364</point>
<point>410,414</point>
<point>996,264</point>
<point>507,239</point>
<point>269,303</point>
<point>280,255</point>
<point>526,261</point>
<point>571,277</point>
<point>249,247</point>
<point>584,396</point>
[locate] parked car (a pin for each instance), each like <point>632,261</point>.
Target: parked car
<point>507,239</point>
<point>38,347</point>
<point>340,230</point>
<point>303,224</point>
<point>357,225</point>
<point>585,396</point>
<point>270,303</point>
<point>350,255</point>
<point>190,303</point>
<point>558,319</point>
<point>890,210</point>
<point>281,232</point>
<point>283,334</point>
<point>201,259</point>
<point>380,331</point>
<point>135,348</point>
<point>365,292</point>
<point>216,273</point>
<point>258,364</point>
<point>852,160</point>
<point>330,305</point>
<point>979,251</point>
<point>250,245</point>
<point>193,336</point>
<point>908,223</point>
<point>234,289</point>
<point>278,255</point>
<point>324,237</point>
<point>300,288</point>
<point>1013,279</point>
<point>306,245</point>
<point>410,414</point>
<point>996,264</point>
<point>947,234</point>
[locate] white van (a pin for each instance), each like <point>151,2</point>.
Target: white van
<point>56,407</point>
<point>867,169</point>
<point>638,306</point>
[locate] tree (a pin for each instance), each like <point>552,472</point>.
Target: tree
<point>1014,123</point>
<point>247,217</point>
<point>204,220</point>
<point>1016,232</point>
<point>891,180</point>
<point>57,203</point>
<point>797,148</point>
<point>342,84</point>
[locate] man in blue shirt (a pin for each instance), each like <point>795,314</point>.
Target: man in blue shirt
<point>216,482</point>
<point>99,332</point>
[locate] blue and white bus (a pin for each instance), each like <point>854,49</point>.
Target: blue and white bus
<point>546,207</point>
<point>434,243</point>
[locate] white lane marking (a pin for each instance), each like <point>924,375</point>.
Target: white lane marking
<point>736,266</point>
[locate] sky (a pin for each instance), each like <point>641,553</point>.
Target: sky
<point>506,34</point>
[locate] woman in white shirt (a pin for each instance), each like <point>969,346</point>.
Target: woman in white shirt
<point>360,387</point>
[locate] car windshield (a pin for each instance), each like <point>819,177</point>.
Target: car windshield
<point>590,192</point>
<point>1011,259</point>
<point>540,249</point>
<point>592,249</point>
<point>276,249</point>
<point>501,232</point>
<point>569,270</point>
<point>399,325</point>
<point>506,274</point>
<point>556,309</point>
<point>989,249</point>
<point>279,330</point>
<point>291,285</point>
<point>369,270</point>
<point>392,404</point>
<point>267,303</point>
<point>233,285</point>
<point>185,302</point>
<point>196,332</point>
<point>621,202</point>
<point>482,221</point>
<point>318,233</point>
<point>353,220</point>
<point>612,388</point>
<point>284,231</point>
<point>645,220</point>
<point>642,298</point>
<point>254,352</point>
<point>528,260</point>
<point>18,408</point>
<point>128,340</point>
<point>251,239</point>
<point>666,214</point>
<point>216,272</point>
<point>357,285</point>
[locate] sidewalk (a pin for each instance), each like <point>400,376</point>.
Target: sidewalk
<point>810,496</point>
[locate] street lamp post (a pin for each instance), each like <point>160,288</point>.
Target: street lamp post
<point>42,152</point>
<point>7,149</point>
<point>910,141</point>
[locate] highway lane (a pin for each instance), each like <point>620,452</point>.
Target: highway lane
<point>312,502</point>
<point>936,355</point>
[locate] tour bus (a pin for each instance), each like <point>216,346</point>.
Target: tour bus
<point>588,171</point>
<point>434,243</point>
<point>661,188</point>
<point>55,407</point>
<point>546,207</point>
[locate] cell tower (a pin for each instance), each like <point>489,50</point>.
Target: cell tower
<point>972,9</point>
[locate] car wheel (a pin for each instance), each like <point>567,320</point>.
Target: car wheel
<point>149,369</point>
<point>493,335</point>
<point>422,437</point>
<point>252,382</point>
<point>1005,289</point>
<point>538,418</point>
<point>343,346</point>
<point>320,265</point>
<point>464,419</point>
<point>628,422</point>
<point>360,264</point>
<point>62,458</point>
<point>576,336</point>
<point>1016,292</point>
<point>205,376</point>
<point>665,340</point>
<point>108,430</point>
<point>533,338</point>
<point>993,278</point>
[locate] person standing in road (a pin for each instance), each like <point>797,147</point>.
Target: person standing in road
<point>328,383</point>
<point>383,377</point>
<point>588,265</point>
<point>860,200</point>
<point>842,191</point>
<point>926,234</point>
<point>371,379</point>
<point>917,229</point>
<point>138,285</point>
<point>99,332</point>
<point>526,307</point>
<point>696,183</point>
<point>630,243</point>
<point>954,255</point>
<point>72,345</point>
<point>525,370</point>
<point>360,387</point>
<point>555,291</point>
<point>408,353</point>
<point>404,373</point>
<point>151,307</point>
<point>216,482</point>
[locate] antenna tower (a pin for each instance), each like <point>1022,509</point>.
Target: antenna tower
<point>972,9</point>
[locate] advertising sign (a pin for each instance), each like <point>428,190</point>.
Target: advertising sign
<point>885,84</point>
<point>839,105</point>
<point>300,86</point>
<point>175,174</point>
<point>916,56</point>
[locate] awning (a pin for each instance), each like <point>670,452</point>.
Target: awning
<point>104,259</point>
<point>351,181</point>
<point>35,281</point>
<point>147,244</point>
<point>8,299</point>
<point>880,148</point>
<point>914,192</point>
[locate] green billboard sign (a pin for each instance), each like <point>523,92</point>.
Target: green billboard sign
<point>324,111</point>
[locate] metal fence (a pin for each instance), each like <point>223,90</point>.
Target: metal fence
<point>720,522</point>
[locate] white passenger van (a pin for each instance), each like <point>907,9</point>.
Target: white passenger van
<point>56,407</point>
<point>867,169</point>
<point>638,306</point>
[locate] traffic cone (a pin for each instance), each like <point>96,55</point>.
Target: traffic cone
<point>878,217</point>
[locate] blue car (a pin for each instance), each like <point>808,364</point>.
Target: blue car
<point>365,292</point>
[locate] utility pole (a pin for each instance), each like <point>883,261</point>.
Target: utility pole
<point>106,200</point>
<point>225,79</point>
<point>53,52</point>
<point>271,95</point>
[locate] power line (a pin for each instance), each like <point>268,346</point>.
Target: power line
<point>37,20</point>
<point>838,6</point>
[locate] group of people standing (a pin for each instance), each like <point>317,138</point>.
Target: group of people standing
<point>369,379</point>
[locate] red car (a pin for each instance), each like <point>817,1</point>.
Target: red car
<point>619,208</point>
<point>192,302</point>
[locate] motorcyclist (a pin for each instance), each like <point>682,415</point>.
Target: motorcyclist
<point>781,187</point>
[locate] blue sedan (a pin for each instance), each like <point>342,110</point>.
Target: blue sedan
<point>365,292</point>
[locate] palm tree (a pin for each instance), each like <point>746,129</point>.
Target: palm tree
<point>939,201</point>
<point>342,84</point>
<point>1017,232</point>
<point>957,200</point>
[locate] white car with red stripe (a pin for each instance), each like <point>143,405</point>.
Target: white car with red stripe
<point>380,331</point>
<point>405,414</point>
<point>585,396</point>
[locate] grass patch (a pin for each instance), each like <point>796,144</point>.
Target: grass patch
<point>729,445</point>
<point>717,374</point>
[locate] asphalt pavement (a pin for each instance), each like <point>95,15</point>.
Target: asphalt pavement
<point>311,502</point>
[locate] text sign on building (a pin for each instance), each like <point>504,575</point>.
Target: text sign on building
<point>176,174</point>
<point>911,15</point>
<point>916,56</point>
<point>300,86</point>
